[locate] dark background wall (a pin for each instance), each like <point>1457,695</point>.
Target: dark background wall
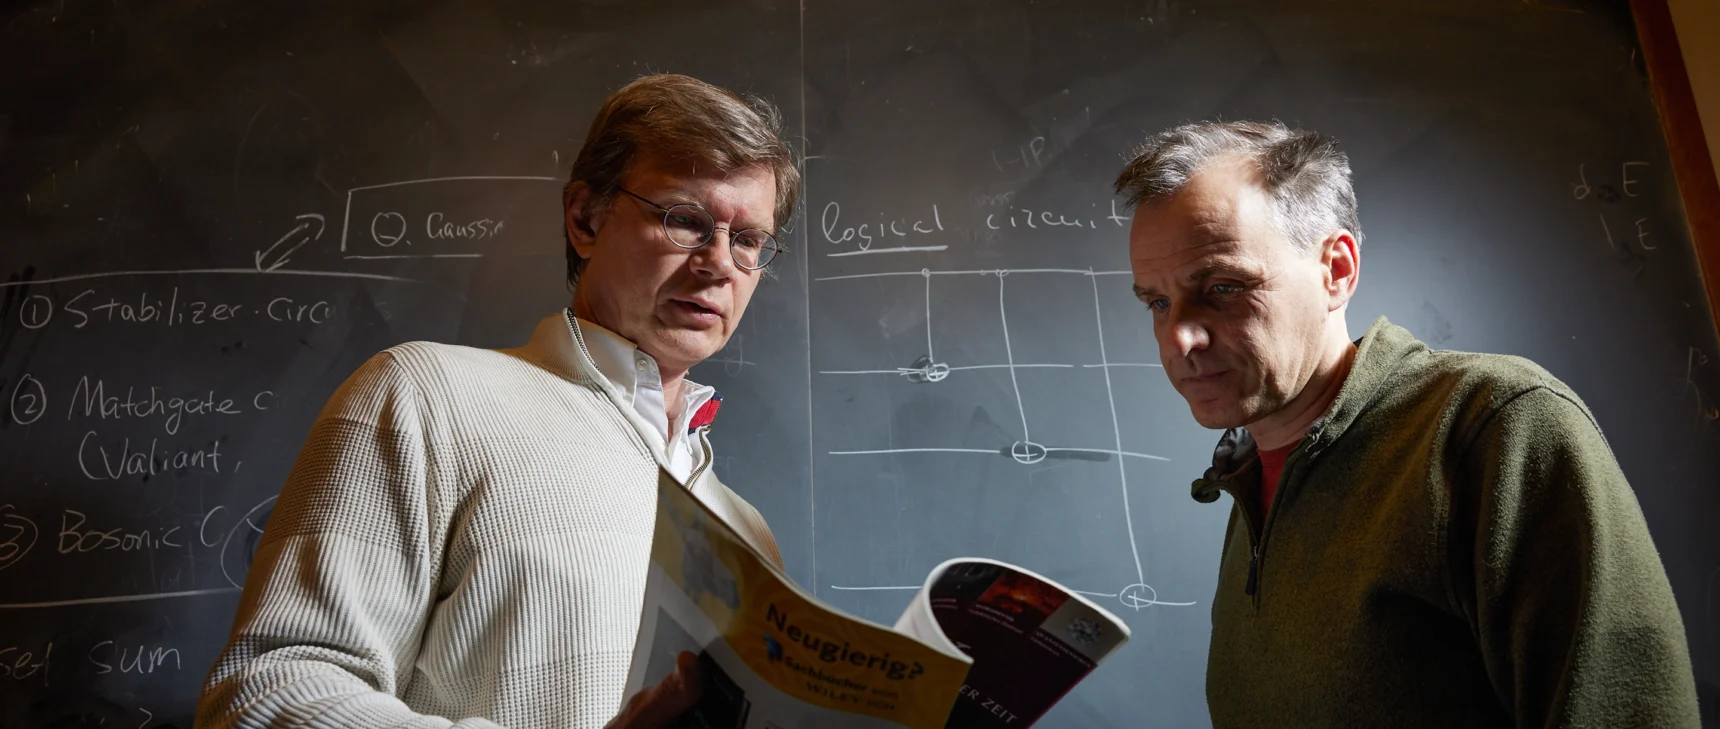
<point>234,204</point>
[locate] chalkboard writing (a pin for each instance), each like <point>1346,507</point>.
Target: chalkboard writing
<point>212,216</point>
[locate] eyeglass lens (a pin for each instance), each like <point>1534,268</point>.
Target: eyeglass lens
<point>691,227</point>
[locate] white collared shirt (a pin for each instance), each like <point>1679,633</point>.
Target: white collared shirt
<point>635,374</point>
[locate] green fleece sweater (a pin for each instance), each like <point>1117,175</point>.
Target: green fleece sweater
<point>1452,545</point>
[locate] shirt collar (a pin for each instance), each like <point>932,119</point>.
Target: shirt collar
<point>628,368</point>
<point>616,358</point>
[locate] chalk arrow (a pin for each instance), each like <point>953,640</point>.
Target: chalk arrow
<point>299,232</point>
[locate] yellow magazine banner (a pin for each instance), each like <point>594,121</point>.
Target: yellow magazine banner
<point>803,648</point>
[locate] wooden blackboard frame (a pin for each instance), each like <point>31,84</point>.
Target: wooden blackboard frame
<point>1681,124</point>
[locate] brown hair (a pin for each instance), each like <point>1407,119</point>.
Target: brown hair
<point>680,118</point>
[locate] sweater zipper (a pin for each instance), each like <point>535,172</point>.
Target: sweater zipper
<point>1309,450</point>
<point>706,444</point>
<point>604,385</point>
<point>1254,540</point>
<point>1253,586</point>
<point>1254,576</point>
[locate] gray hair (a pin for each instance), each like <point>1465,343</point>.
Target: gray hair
<point>1304,172</point>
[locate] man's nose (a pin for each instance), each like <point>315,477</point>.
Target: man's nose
<point>1187,334</point>
<point>716,257</point>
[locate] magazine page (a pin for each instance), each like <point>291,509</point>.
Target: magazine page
<point>774,657</point>
<point>1030,638</point>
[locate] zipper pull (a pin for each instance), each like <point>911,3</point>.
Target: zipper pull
<point>1253,572</point>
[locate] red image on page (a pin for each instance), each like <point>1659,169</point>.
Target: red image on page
<point>1024,599</point>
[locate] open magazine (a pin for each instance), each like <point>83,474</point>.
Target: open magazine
<point>982,644</point>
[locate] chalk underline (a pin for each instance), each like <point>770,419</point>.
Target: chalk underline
<point>208,271</point>
<point>898,249</point>
<point>116,598</point>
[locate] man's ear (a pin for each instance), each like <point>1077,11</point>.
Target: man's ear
<point>1341,259</point>
<point>581,223</point>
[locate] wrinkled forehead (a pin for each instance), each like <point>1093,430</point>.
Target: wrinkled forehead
<point>1172,235</point>
<point>1222,214</point>
<point>740,198</point>
<point>1189,265</point>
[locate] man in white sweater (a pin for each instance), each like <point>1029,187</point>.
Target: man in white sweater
<point>464,538</point>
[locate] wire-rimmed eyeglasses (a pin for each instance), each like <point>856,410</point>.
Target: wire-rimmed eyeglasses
<point>691,226</point>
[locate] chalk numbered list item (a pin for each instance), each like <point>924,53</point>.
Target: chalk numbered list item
<point>981,644</point>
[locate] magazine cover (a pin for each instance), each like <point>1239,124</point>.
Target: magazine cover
<point>773,656</point>
<point>983,644</point>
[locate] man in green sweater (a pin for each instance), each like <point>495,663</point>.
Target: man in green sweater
<point>1418,537</point>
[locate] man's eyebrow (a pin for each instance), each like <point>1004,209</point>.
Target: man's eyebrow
<point>1217,268</point>
<point>1196,275</point>
<point>673,196</point>
<point>768,225</point>
<point>1202,273</point>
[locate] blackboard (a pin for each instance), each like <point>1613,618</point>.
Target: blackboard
<point>211,214</point>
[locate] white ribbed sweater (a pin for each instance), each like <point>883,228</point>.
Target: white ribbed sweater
<point>464,537</point>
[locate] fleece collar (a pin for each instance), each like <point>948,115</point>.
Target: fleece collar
<point>1379,353</point>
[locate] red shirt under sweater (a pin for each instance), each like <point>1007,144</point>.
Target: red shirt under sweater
<point>1271,468</point>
